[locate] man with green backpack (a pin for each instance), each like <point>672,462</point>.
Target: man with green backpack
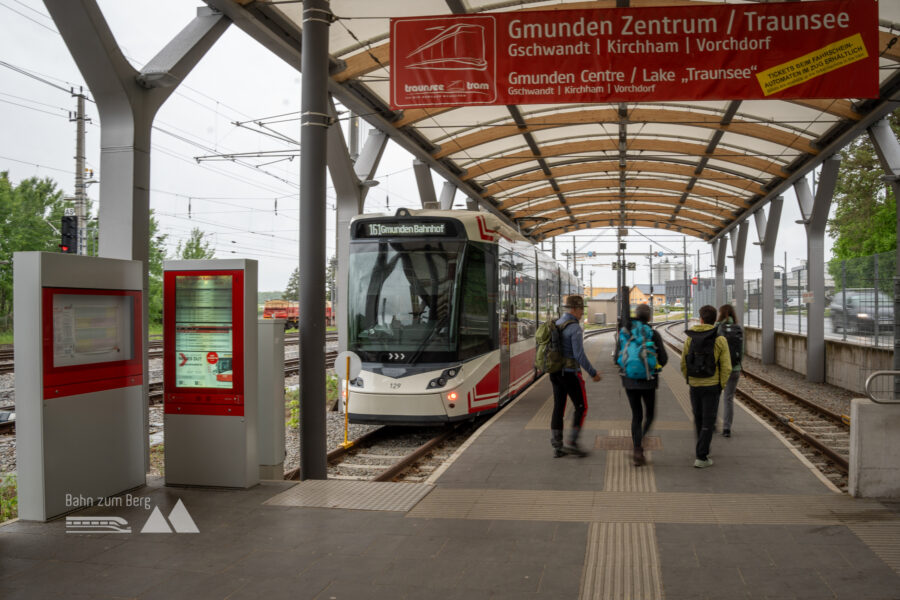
<point>560,353</point>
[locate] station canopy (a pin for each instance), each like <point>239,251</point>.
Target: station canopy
<point>697,167</point>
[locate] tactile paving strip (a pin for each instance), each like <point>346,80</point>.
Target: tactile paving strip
<point>883,539</point>
<point>623,442</point>
<point>622,561</point>
<point>355,495</point>
<point>621,474</point>
<point>541,420</point>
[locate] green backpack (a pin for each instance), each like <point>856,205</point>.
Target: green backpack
<point>549,357</point>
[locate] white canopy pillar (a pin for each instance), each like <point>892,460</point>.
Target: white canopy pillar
<point>815,218</point>
<point>767,231</point>
<point>720,251</point>
<point>738,250</point>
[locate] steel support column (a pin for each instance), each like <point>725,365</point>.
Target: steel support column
<point>425,184</point>
<point>815,217</point>
<point>314,123</point>
<point>127,102</point>
<point>720,252</point>
<point>738,242</point>
<point>767,231</point>
<point>448,193</point>
<point>888,150</point>
<point>352,182</point>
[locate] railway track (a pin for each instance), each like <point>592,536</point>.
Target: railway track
<point>820,434</point>
<point>395,453</point>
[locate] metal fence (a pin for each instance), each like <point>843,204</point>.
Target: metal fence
<point>859,300</point>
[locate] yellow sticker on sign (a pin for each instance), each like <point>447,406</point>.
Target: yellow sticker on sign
<point>819,62</point>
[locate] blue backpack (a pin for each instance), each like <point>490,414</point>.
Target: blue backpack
<point>637,352</point>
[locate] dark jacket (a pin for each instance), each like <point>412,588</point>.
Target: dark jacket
<point>661,357</point>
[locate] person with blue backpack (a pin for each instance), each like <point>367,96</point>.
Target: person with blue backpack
<point>640,355</point>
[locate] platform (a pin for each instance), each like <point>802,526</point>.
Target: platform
<point>504,520</point>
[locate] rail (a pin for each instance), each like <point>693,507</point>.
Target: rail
<point>891,389</point>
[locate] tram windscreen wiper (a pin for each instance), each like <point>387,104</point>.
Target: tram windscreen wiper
<point>441,322</point>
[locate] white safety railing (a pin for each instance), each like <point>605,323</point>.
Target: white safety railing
<point>885,392</point>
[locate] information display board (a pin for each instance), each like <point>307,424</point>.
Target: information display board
<point>90,342</point>
<point>203,324</point>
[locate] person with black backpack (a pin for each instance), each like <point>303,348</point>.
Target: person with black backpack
<point>734,335</point>
<point>706,364</point>
<point>640,355</point>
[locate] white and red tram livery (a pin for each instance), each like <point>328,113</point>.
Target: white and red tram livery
<point>442,310</point>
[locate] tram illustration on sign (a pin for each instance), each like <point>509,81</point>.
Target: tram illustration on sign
<point>455,48</point>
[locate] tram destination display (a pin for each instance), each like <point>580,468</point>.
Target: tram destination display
<point>826,49</point>
<point>204,331</point>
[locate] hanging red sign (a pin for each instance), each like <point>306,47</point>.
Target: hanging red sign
<point>826,49</point>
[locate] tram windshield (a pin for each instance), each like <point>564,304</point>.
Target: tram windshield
<point>401,300</point>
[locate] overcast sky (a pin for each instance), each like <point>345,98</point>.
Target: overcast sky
<point>246,212</point>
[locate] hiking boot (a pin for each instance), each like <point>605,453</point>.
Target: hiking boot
<point>639,459</point>
<point>557,453</point>
<point>574,450</point>
<point>702,464</point>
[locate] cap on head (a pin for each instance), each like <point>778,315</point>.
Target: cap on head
<point>573,302</point>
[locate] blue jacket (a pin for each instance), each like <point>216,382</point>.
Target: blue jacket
<point>572,342</point>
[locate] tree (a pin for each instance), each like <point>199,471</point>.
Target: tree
<point>292,291</point>
<point>196,247</point>
<point>155,284</point>
<point>331,278</point>
<point>865,218</point>
<point>30,217</point>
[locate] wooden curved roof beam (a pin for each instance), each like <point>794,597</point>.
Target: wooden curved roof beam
<point>560,228</point>
<point>710,174</point>
<point>721,213</point>
<point>633,185</point>
<point>609,145</point>
<point>636,116</point>
<point>637,208</point>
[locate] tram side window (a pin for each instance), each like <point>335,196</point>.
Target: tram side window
<point>478,328</point>
<point>525,295</point>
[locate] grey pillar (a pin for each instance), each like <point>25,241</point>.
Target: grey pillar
<point>127,102</point>
<point>888,151</point>
<point>767,231</point>
<point>352,181</point>
<point>738,240</point>
<point>425,185</point>
<point>720,252</point>
<point>815,218</point>
<point>314,123</point>
<point>448,192</point>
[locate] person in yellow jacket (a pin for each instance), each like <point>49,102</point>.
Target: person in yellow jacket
<point>706,364</point>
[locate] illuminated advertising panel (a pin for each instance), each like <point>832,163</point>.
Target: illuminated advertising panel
<point>204,331</point>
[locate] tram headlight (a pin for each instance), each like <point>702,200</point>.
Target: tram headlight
<point>442,379</point>
<point>357,383</point>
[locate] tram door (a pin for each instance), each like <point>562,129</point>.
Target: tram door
<point>506,306</point>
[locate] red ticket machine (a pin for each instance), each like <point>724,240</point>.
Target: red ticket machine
<point>209,366</point>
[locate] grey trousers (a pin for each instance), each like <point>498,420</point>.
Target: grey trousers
<point>728,400</point>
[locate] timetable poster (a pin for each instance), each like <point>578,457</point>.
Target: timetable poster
<point>204,331</point>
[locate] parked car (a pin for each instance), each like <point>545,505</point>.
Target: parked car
<point>854,309</point>
<point>792,303</point>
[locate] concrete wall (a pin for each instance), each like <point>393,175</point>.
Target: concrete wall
<point>874,447</point>
<point>847,365</point>
<point>601,306</point>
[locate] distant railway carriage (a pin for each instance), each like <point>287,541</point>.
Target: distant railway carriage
<point>442,309</point>
<point>290,311</point>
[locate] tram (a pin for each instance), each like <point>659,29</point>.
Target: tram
<point>442,309</point>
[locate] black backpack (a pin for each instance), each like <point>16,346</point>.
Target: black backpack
<point>701,358</point>
<point>733,333</point>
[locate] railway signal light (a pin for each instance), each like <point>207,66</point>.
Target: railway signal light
<point>69,235</point>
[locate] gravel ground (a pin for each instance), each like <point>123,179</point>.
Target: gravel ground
<point>826,395</point>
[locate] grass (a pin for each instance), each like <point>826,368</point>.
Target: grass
<point>9,499</point>
<point>158,460</point>
<point>292,400</point>
<point>6,337</point>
